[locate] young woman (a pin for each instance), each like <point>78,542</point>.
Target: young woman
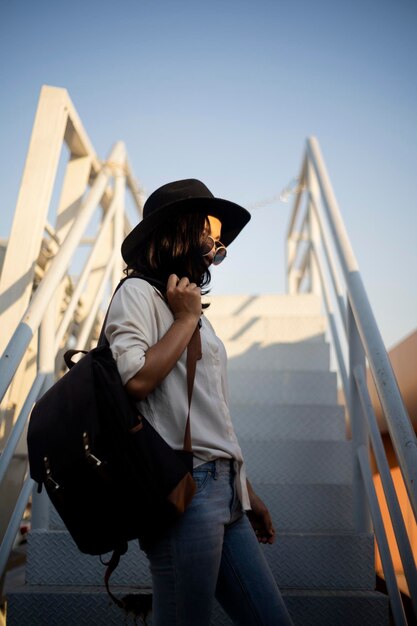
<point>213,549</point>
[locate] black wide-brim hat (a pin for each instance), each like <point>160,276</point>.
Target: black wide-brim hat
<point>185,196</point>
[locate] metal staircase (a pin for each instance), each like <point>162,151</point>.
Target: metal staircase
<point>317,483</point>
<point>292,431</point>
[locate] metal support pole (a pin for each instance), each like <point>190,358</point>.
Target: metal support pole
<point>360,437</point>
<point>330,263</point>
<point>292,235</point>
<point>119,192</point>
<point>46,364</point>
<point>388,567</point>
<point>333,328</point>
<point>91,317</point>
<point>19,426</point>
<point>292,282</point>
<point>82,279</point>
<point>40,509</point>
<point>313,233</point>
<point>13,527</point>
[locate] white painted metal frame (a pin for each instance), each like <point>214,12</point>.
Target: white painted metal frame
<point>328,262</point>
<point>48,313</point>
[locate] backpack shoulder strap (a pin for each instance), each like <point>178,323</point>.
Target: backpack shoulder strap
<point>193,350</point>
<point>157,284</point>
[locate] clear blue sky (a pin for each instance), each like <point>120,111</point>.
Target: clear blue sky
<point>227,91</point>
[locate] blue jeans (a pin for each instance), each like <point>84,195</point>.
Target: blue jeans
<point>212,551</point>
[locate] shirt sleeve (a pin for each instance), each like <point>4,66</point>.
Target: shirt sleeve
<point>131,327</point>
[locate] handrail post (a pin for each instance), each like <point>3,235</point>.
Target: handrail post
<point>46,363</point>
<point>292,235</point>
<point>119,193</point>
<point>360,436</point>
<point>314,241</point>
<point>291,271</point>
<point>313,231</point>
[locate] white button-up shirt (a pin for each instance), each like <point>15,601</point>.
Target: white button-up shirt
<point>138,318</point>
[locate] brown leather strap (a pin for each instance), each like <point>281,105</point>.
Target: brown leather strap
<point>111,566</point>
<point>193,355</point>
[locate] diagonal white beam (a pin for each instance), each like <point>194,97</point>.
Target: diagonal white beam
<point>33,315</point>
<point>32,208</point>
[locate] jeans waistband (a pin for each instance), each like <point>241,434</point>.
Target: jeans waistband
<point>217,467</point>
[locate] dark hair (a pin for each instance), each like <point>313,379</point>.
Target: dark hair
<point>174,247</point>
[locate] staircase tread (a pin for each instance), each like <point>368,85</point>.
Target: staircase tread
<point>290,533</point>
<point>27,587</point>
<point>117,588</point>
<point>301,407</point>
<point>333,592</point>
<point>287,440</point>
<point>314,443</point>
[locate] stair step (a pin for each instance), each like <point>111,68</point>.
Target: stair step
<point>90,606</point>
<point>308,508</point>
<point>264,305</point>
<point>256,421</point>
<point>37,605</point>
<point>282,387</point>
<point>269,329</point>
<point>298,560</point>
<point>300,462</point>
<point>297,508</point>
<point>322,560</point>
<point>252,355</point>
<point>54,559</point>
<point>309,607</point>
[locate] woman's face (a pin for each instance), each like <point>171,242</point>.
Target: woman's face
<point>214,229</point>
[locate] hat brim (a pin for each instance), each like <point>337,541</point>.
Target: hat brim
<point>232,216</point>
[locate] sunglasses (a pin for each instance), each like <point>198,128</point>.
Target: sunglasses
<point>220,250</point>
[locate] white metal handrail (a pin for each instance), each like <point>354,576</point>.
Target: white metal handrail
<point>13,526</point>
<point>400,531</point>
<point>32,318</point>
<point>46,315</point>
<point>19,426</point>
<point>329,262</point>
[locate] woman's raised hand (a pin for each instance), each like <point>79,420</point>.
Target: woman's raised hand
<point>184,298</point>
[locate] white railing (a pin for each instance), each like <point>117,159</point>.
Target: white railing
<point>320,259</point>
<point>39,298</point>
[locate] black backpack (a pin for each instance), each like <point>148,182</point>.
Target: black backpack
<point>99,459</point>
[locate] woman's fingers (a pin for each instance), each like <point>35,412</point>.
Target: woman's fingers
<point>173,281</point>
<point>183,283</point>
<point>184,297</point>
